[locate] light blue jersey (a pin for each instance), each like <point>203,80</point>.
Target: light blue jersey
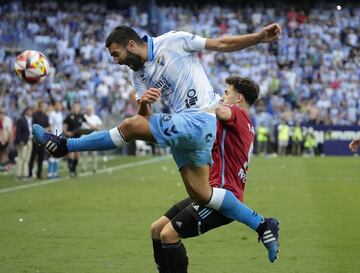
<point>174,68</point>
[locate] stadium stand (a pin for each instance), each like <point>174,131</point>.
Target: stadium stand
<point>311,76</point>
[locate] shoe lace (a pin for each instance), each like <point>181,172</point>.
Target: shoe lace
<point>55,137</point>
<point>60,135</point>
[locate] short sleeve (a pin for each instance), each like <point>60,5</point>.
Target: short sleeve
<point>184,41</point>
<point>193,43</point>
<point>139,85</point>
<point>236,113</point>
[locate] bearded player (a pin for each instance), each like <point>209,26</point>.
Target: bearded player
<point>167,66</point>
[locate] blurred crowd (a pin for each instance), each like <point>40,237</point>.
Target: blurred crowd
<point>311,76</point>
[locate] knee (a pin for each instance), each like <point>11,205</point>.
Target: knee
<point>126,127</point>
<point>155,229</point>
<point>169,235</point>
<point>157,226</point>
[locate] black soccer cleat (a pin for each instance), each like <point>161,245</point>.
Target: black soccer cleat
<point>55,145</point>
<point>270,238</point>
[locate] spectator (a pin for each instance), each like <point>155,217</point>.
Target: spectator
<point>92,123</point>
<point>283,137</point>
<point>72,128</point>
<point>297,139</point>
<point>23,143</point>
<point>6,128</point>
<point>37,152</point>
<point>56,120</point>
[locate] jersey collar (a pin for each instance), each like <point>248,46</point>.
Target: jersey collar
<point>150,46</point>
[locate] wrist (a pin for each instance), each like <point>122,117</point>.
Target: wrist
<point>259,36</point>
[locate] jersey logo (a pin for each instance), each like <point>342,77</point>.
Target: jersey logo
<point>196,207</point>
<point>165,87</point>
<point>208,138</point>
<point>179,224</point>
<point>170,131</point>
<point>161,60</point>
<point>191,98</point>
<point>166,117</point>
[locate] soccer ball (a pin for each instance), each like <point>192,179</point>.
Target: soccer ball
<point>32,66</point>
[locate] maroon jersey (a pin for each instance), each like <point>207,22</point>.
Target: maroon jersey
<point>231,151</point>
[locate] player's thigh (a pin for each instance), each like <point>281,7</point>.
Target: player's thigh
<point>185,130</point>
<point>136,128</point>
<point>196,180</point>
<point>197,219</point>
<point>159,224</point>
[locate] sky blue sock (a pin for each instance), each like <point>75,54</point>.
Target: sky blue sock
<point>231,207</point>
<point>55,167</point>
<point>96,141</point>
<point>50,168</point>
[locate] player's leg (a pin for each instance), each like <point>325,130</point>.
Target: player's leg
<point>224,201</point>
<point>50,173</point>
<point>70,159</point>
<point>156,228</point>
<point>55,168</point>
<point>197,185</point>
<point>192,221</point>
<point>136,127</point>
<point>158,252</point>
<point>76,161</point>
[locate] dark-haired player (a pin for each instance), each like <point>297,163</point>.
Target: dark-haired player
<point>231,154</point>
<point>167,66</point>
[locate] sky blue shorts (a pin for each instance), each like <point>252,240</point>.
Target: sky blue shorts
<point>190,135</point>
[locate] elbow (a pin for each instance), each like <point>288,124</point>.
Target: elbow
<point>219,112</point>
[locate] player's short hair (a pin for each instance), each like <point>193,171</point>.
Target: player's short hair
<point>122,35</point>
<point>248,88</point>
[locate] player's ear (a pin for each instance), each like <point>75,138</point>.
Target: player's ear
<point>131,46</point>
<point>239,98</point>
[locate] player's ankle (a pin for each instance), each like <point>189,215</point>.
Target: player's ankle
<point>262,227</point>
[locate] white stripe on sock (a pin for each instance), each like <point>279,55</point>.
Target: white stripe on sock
<point>217,198</point>
<point>117,137</point>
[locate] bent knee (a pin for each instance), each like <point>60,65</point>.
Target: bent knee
<point>157,226</point>
<point>169,235</point>
<point>126,128</point>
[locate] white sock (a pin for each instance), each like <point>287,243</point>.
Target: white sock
<point>117,137</point>
<point>217,198</point>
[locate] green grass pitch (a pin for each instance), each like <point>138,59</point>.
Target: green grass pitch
<point>101,223</point>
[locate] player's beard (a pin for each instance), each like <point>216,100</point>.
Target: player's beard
<point>134,61</point>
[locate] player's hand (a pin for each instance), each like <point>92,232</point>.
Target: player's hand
<point>354,145</point>
<point>151,95</point>
<point>270,33</point>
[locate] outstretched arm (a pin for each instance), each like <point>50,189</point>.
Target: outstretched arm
<point>234,43</point>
